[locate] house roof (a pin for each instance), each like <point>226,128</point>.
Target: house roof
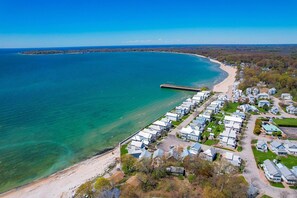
<point>291,144</point>
<point>261,143</point>
<point>229,155</point>
<point>145,134</point>
<point>160,123</point>
<point>185,153</point>
<point>153,132</point>
<point>158,153</point>
<point>287,173</point>
<point>271,168</point>
<point>270,127</point>
<point>171,114</point>
<point>136,144</point>
<point>173,153</point>
<point>145,154</point>
<point>276,144</point>
<point>210,152</point>
<point>196,146</point>
<point>233,118</point>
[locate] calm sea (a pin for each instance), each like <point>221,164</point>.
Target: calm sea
<point>56,110</point>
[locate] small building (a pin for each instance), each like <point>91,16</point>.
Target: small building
<point>176,170</point>
<point>255,91</point>
<point>271,171</point>
<point>272,91</point>
<point>189,133</point>
<point>286,96</point>
<point>233,159</point>
<point>291,147</point>
<point>186,153</point>
<point>173,154</point>
<point>287,175</point>
<point>262,96</point>
<point>291,109</point>
<point>262,146</point>
<point>172,116</point>
<point>159,153</point>
<point>262,103</point>
<point>165,125</point>
<point>270,128</point>
<point>210,154</point>
<point>274,110</point>
<point>278,148</point>
<point>195,148</point>
<point>145,154</point>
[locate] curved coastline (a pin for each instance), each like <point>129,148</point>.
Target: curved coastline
<point>63,183</point>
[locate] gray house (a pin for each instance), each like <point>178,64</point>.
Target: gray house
<point>271,171</point>
<point>262,146</point>
<point>278,148</point>
<point>287,175</point>
<point>210,154</point>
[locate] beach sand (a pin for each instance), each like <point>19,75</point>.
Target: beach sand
<point>65,182</point>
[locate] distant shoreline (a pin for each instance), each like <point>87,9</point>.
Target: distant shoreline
<point>65,181</point>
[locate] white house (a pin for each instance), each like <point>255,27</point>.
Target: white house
<point>287,175</point>
<point>262,103</point>
<point>233,119</point>
<point>291,109</point>
<point>278,148</point>
<point>271,171</point>
<point>155,134</point>
<point>190,133</point>
<point>274,110</point>
<point>147,138</point>
<point>255,91</point>
<point>262,146</point>
<point>172,116</point>
<point>286,96</point>
<point>262,96</point>
<point>291,147</point>
<point>210,154</point>
<point>272,91</point>
<point>207,114</point>
<point>233,159</point>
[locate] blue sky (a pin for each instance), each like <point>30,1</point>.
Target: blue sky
<point>53,23</point>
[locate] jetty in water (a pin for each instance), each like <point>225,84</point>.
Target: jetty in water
<point>184,88</point>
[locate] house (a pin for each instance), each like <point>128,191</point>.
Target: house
<point>270,128</point>
<point>262,103</point>
<point>135,148</point>
<point>195,148</point>
<point>233,159</point>
<point>262,146</point>
<point>176,170</point>
<point>147,138</point>
<point>200,122</point>
<point>207,114</point>
<point>162,124</point>
<point>294,170</point>
<point>251,99</point>
<point>271,171</point>
<point>231,120</point>
<point>278,148</point>
<point>272,91</point>
<point>155,134</point>
<point>172,116</point>
<point>286,96</point>
<point>248,91</point>
<point>210,154</point>
<point>173,154</point>
<point>291,109</point>
<point>159,153</point>
<point>291,147</point>
<point>255,91</point>
<point>274,110</point>
<point>238,113</point>
<point>287,175</point>
<point>190,133</point>
<point>262,96</point>
<point>185,153</point>
<point>145,154</point>
<point>214,108</point>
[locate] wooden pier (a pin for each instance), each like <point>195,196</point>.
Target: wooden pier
<point>184,88</point>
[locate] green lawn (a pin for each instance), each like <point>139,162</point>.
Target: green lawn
<point>176,123</point>
<point>211,142</point>
<point>230,107</point>
<point>239,148</point>
<point>216,128</point>
<point>290,122</point>
<point>260,157</point>
<point>293,187</point>
<point>266,196</point>
<point>278,185</point>
<point>254,141</point>
<point>124,149</point>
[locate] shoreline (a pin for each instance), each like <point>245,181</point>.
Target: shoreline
<point>64,182</point>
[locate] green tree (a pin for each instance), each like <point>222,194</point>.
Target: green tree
<point>102,184</point>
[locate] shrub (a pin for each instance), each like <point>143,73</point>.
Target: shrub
<point>102,184</point>
<point>128,164</point>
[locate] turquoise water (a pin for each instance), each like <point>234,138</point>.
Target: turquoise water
<point>56,110</point>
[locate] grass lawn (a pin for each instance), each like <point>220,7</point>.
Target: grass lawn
<point>293,187</point>
<point>289,122</point>
<point>266,196</point>
<point>278,185</point>
<point>231,107</point>
<point>176,123</point>
<point>239,148</point>
<point>211,142</point>
<point>216,128</point>
<point>288,161</point>
<point>254,141</point>
<point>124,150</point>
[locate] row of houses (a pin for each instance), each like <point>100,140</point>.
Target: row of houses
<point>277,172</point>
<point>279,148</point>
<point>233,126</point>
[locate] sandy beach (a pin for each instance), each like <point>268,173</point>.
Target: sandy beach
<point>64,183</point>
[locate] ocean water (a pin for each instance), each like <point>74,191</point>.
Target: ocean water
<point>56,110</point>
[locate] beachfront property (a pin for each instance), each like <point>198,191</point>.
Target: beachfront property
<point>190,133</point>
<point>269,129</point>
<point>272,173</point>
<point>233,159</point>
<point>155,134</point>
<point>195,148</point>
<point>262,146</point>
<point>164,123</point>
<point>157,128</point>
<point>135,148</point>
<point>210,154</point>
<point>286,96</point>
<point>286,174</point>
<point>262,96</point>
<point>278,148</point>
<point>173,116</point>
<point>272,91</point>
<point>291,147</point>
<point>262,103</point>
<point>291,109</point>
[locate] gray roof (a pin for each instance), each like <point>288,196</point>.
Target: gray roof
<point>158,153</point>
<point>261,143</point>
<point>145,154</point>
<point>276,144</point>
<point>294,170</point>
<point>185,153</point>
<point>196,146</point>
<point>287,173</point>
<point>173,153</point>
<point>271,168</point>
